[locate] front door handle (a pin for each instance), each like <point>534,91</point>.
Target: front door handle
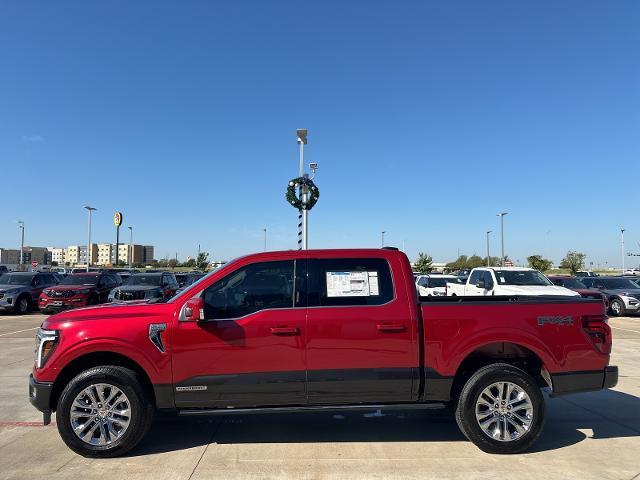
<point>391,327</point>
<point>285,331</point>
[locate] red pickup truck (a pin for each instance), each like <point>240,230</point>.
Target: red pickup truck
<point>317,329</point>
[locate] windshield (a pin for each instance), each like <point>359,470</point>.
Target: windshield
<point>442,281</point>
<point>89,280</point>
<point>521,278</point>
<point>572,283</point>
<point>141,279</point>
<point>11,279</point>
<point>618,283</point>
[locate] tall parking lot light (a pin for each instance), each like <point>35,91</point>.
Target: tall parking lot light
<point>89,209</point>
<point>501,215</point>
<point>488,256</point>
<point>303,215</point>
<point>382,238</point>
<point>130,247</point>
<point>265,239</point>
<point>622,247</point>
<point>21,227</point>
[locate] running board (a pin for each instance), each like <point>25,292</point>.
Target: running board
<point>313,408</point>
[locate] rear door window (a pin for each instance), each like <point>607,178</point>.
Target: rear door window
<point>350,282</point>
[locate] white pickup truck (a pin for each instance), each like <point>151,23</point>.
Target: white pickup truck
<point>507,281</point>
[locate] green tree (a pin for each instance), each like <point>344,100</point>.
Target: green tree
<point>172,263</point>
<point>474,261</point>
<point>539,262</point>
<point>424,264</point>
<point>190,263</point>
<point>163,263</point>
<point>458,264</point>
<point>202,261</point>
<point>574,261</point>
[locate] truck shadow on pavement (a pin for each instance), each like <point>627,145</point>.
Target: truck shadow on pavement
<point>608,414</point>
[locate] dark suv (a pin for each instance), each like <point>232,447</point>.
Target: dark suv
<point>78,290</point>
<point>623,293</point>
<point>149,287</point>
<point>19,291</point>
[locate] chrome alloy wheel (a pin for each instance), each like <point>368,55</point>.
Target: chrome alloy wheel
<point>100,414</point>
<point>504,411</point>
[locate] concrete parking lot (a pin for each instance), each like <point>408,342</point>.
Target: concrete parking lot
<point>592,435</point>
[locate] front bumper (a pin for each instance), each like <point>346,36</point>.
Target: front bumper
<point>7,303</point>
<point>58,305</point>
<point>40,397</point>
<point>576,382</point>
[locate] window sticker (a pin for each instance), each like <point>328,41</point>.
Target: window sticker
<point>352,284</point>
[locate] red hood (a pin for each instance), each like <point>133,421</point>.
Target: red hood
<point>109,311</point>
<point>64,288</point>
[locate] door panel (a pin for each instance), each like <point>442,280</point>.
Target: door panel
<point>359,353</point>
<point>251,352</point>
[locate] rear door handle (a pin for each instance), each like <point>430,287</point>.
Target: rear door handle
<point>285,331</point>
<point>391,327</point>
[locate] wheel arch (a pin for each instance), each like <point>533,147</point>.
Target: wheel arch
<point>94,359</point>
<point>512,353</point>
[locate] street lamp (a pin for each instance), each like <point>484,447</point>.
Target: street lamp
<point>130,247</point>
<point>382,239</point>
<point>501,215</point>
<point>303,215</point>
<point>89,209</point>
<point>21,227</point>
<point>622,246</point>
<point>488,256</point>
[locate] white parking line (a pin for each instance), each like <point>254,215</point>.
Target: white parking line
<point>19,331</point>
<point>625,329</point>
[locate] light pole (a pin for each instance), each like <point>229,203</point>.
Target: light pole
<point>89,209</point>
<point>264,230</point>
<point>130,247</point>
<point>501,215</point>
<point>382,238</point>
<point>303,215</point>
<point>622,246</point>
<point>21,227</point>
<point>488,256</point>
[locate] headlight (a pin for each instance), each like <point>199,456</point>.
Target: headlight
<point>46,341</point>
<point>46,291</point>
<point>11,291</point>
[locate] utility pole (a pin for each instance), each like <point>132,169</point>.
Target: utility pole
<point>89,209</point>
<point>382,238</point>
<point>21,227</point>
<point>501,215</point>
<point>488,255</point>
<point>622,246</point>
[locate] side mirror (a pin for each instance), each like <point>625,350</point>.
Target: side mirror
<point>194,309</point>
<point>480,284</point>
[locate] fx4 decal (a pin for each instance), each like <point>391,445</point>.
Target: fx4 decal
<point>561,321</point>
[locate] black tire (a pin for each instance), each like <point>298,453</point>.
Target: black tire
<point>141,411</point>
<point>617,307</point>
<point>466,408</point>
<point>23,304</point>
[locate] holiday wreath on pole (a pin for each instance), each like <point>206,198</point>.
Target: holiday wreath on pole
<point>312,193</point>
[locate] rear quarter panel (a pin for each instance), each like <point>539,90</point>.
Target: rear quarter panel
<point>452,331</point>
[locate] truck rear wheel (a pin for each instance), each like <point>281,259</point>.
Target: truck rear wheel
<point>104,412</point>
<point>501,409</point>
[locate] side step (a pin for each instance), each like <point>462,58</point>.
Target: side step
<point>313,408</point>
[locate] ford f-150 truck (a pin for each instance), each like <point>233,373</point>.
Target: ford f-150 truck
<point>485,281</point>
<point>316,329</point>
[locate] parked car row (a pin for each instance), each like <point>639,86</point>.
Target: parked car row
<point>51,292</point>
<point>620,295</point>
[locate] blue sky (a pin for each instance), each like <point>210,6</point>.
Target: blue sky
<point>427,118</point>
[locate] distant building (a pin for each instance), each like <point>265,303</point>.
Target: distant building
<point>57,255</point>
<point>9,256</point>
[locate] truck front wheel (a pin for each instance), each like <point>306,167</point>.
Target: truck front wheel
<point>501,409</point>
<point>103,412</point>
